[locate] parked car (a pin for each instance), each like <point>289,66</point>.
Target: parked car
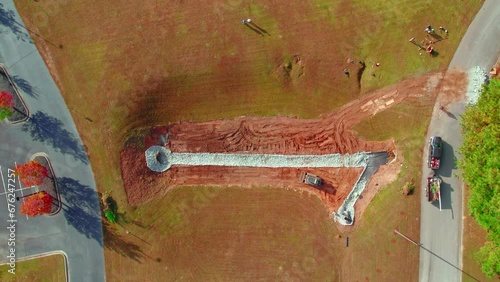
<point>435,150</point>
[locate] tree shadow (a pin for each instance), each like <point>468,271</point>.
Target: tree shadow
<point>8,19</point>
<point>82,208</point>
<point>113,206</point>
<point>446,201</point>
<point>50,130</point>
<point>123,219</point>
<point>117,243</point>
<point>26,87</point>
<point>359,74</point>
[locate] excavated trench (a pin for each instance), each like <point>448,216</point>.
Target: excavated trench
<point>160,159</point>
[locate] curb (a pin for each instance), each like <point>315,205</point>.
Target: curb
<point>17,96</point>
<point>47,254</point>
<point>54,180</point>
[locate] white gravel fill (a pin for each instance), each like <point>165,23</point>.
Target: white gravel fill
<point>267,160</point>
<point>477,77</point>
<point>347,207</point>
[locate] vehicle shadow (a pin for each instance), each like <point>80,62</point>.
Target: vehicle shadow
<point>448,160</point>
<point>327,188</point>
<point>446,201</point>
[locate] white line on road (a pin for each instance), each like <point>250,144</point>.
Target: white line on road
<point>3,183</point>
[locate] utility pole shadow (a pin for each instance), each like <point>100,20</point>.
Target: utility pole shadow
<point>457,268</point>
<point>434,254</point>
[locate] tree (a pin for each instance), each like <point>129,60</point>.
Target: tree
<point>31,173</point>
<point>6,105</point>
<point>481,170</point>
<point>37,204</point>
<point>489,257</point>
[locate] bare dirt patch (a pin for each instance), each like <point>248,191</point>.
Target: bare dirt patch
<point>337,181</point>
<point>331,133</point>
<point>452,88</point>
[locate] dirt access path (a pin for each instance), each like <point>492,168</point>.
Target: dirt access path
<point>331,133</point>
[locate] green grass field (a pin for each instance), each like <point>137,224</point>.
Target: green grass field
<point>152,63</point>
<point>45,269</point>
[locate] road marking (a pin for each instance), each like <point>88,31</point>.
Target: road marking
<point>21,188</point>
<point>18,190</point>
<point>3,183</point>
<point>19,180</point>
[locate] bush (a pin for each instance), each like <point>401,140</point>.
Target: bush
<point>408,189</point>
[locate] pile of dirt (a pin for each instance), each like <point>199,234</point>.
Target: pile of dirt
<point>495,70</point>
<point>280,135</point>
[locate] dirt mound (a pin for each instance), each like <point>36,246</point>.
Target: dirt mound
<point>278,135</point>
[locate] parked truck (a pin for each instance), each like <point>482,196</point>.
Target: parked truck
<point>435,150</point>
<point>433,189</point>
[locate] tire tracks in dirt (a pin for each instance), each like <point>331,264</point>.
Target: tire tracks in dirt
<point>330,133</point>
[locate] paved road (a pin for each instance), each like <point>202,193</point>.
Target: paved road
<point>441,231</point>
<point>77,229</point>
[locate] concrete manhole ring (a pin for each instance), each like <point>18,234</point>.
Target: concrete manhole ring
<point>157,158</point>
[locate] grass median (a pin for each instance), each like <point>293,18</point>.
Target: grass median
<point>44,269</point>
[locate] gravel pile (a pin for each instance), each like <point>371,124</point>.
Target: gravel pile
<point>6,84</point>
<point>477,77</point>
<point>345,214</point>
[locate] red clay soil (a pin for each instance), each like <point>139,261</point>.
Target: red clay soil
<point>495,70</point>
<point>279,135</point>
